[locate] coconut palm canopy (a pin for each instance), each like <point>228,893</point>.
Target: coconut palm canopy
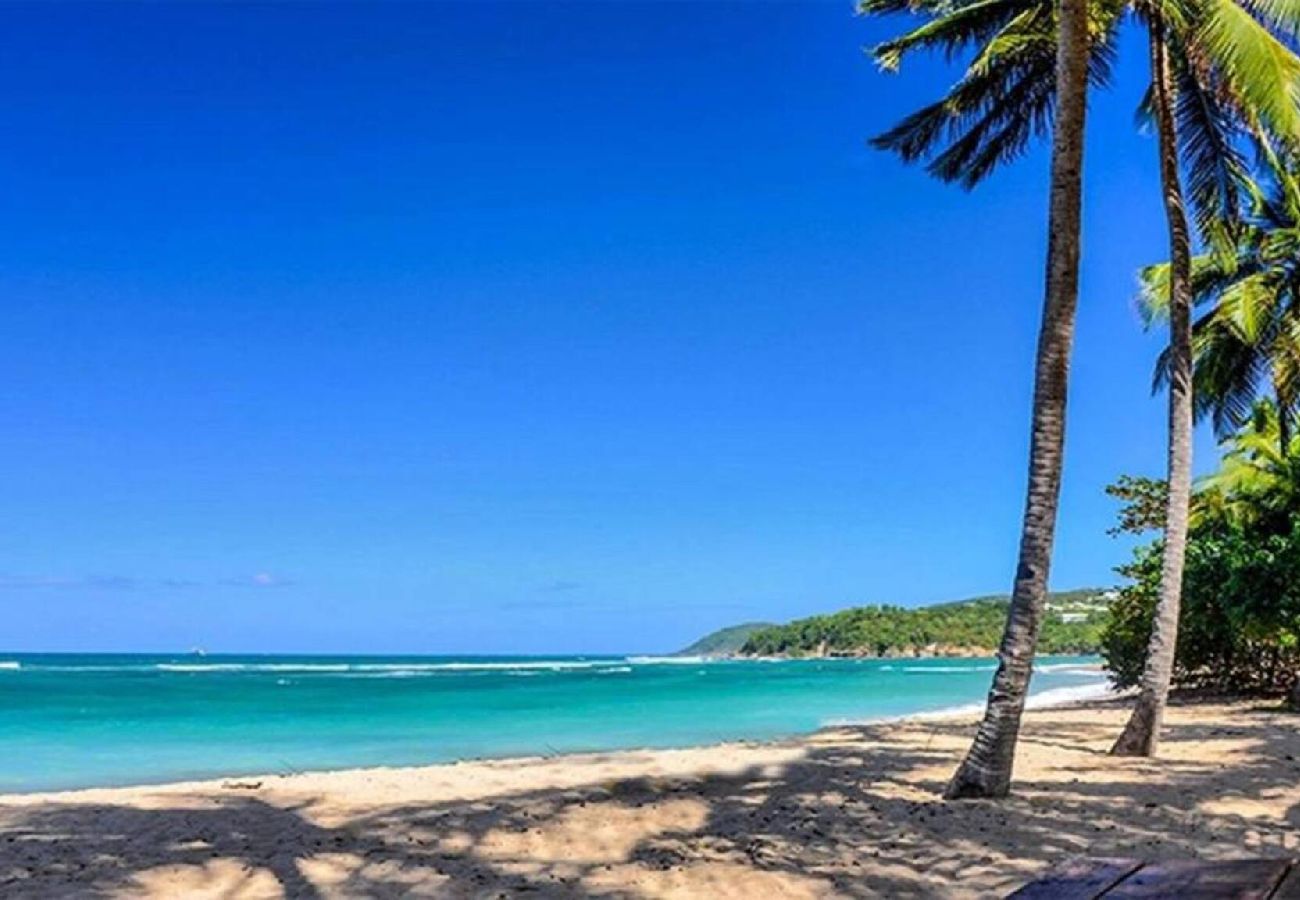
<point>1258,477</point>
<point>1247,342</point>
<point>1231,63</point>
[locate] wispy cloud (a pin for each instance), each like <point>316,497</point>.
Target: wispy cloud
<point>259,580</point>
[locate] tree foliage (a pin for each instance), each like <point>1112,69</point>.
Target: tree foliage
<point>724,641</point>
<point>1073,625</point>
<point>1248,342</point>
<point>1240,623</point>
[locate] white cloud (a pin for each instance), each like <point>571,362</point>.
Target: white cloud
<point>260,580</point>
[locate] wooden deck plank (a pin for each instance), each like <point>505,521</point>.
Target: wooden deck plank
<point>1242,879</point>
<point>1078,879</point>
<point>1289,889</point>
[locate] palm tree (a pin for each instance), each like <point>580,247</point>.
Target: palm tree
<point>1003,99</point>
<point>1250,336</point>
<point>1248,344</point>
<point>1142,731</point>
<point>1033,69</point>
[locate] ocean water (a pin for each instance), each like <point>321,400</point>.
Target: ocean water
<point>69,721</point>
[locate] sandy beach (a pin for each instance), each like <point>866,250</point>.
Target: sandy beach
<point>846,812</point>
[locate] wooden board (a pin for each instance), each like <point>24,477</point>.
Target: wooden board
<point>1078,879</point>
<point>1243,879</point>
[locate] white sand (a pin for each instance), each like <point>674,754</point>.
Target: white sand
<point>851,811</point>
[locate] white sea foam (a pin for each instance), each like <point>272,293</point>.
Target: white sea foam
<point>1077,694</point>
<point>946,670</point>
<point>10,666</point>
<point>667,660</point>
<point>93,668</point>
<point>543,665</point>
<point>1069,668</point>
<point>501,666</point>
<point>409,670</point>
<point>1048,669</point>
<point>1098,690</point>
<point>252,667</point>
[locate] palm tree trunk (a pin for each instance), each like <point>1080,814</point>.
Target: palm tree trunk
<point>1283,419</point>
<point>1284,439</point>
<point>1141,735</point>
<point>986,770</point>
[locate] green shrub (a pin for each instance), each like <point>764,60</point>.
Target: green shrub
<point>1239,625</point>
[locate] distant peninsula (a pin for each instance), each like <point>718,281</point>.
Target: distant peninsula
<point>1073,625</point>
<point>725,641</point>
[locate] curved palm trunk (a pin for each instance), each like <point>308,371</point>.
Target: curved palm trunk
<point>1283,419</point>
<point>1141,735</point>
<point>986,770</point>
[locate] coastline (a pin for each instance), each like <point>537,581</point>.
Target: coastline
<point>1059,698</point>
<point>846,811</point>
<point>142,720</point>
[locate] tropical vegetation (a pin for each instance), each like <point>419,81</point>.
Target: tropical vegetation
<point>1247,342</point>
<point>1218,72</point>
<point>1240,622</point>
<point>1073,624</point>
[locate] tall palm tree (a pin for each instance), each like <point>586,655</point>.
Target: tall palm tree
<point>1141,734</point>
<point>1003,99</point>
<point>1250,337</point>
<point>1033,69</point>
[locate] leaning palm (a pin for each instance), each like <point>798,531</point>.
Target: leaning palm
<point>1031,73</point>
<point>1211,50</point>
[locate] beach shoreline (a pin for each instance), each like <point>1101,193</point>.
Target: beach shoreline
<point>135,720</point>
<point>848,811</point>
<point>1049,699</point>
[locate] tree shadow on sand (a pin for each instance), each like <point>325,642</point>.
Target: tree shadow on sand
<point>842,819</point>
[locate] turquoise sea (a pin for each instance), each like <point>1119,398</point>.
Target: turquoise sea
<point>70,721</point>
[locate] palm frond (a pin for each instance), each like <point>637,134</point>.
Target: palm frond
<point>1255,66</point>
<point>1211,274</point>
<point>1214,167</point>
<point>1004,99</point>
<point>975,23</point>
<point>1280,15</point>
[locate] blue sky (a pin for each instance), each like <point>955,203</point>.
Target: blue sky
<point>495,327</point>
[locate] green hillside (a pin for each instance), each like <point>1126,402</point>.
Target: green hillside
<point>725,641</point>
<point>969,627</point>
